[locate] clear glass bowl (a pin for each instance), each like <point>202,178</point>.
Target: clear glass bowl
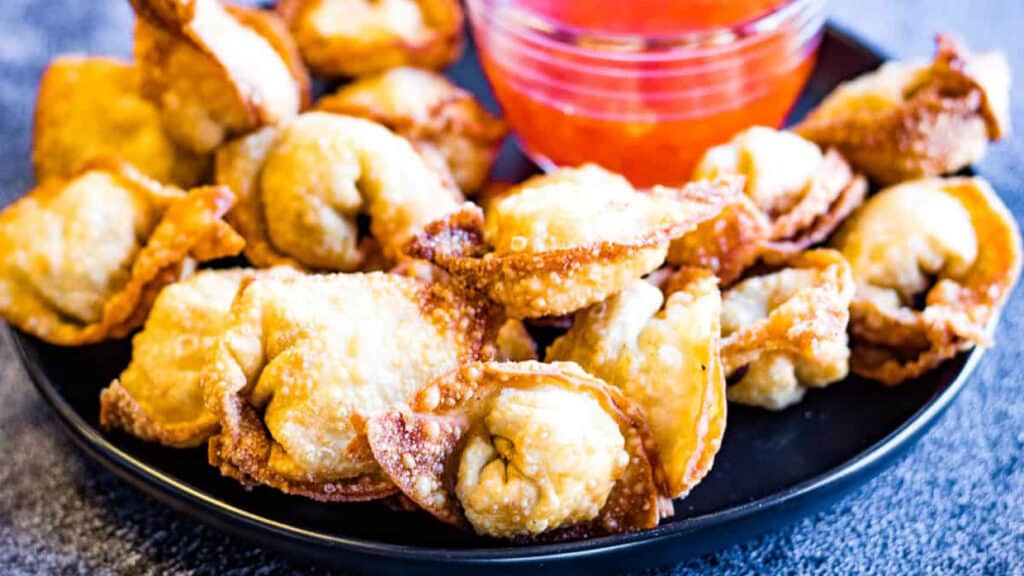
<point>644,105</point>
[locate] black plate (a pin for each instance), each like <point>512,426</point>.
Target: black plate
<point>772,467</point>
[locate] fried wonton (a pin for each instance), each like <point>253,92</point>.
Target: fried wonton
<point>514,343</point>
<point>301,359</point>
<point>158,397</point>
<point>302,186</point>
<point>663,352</point>
<point>785,331</point>
<point>81,260</point>
<point>90,108</point>
<point>428,109</point>
<point>359,37</point>
<point>934,261</point>
<point>795,196</point>
<point>522,450</point>
<point>216,72</point>
<point>910,120</point>
<point>560,242</point>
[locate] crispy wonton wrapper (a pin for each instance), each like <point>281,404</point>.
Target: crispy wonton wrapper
<point>785,331</point>
<point>302,358</point>
<point>158,397</point>
<point>795,197</point>
<point>524,451</point>
<point>83,259</point>
<point>359,37</point>
<point>663,352</point>
<point>425,107</point>
<point>514,342</point>
<point>90,108</point>
<point>562,241</point>
<point>216,72</point>
<point>302,186</point>
<point>949,241</point>
<point>912,120</point>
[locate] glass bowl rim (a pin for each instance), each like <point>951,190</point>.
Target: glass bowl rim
<point>532,56</point>
<point>533,27</point>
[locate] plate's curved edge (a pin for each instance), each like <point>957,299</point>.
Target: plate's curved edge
<point>170,491</point>
<point>183,497</point>
<point>854,40</point>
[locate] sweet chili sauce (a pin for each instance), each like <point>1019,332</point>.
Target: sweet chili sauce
<point>643,87</point>
<point>651,17</point>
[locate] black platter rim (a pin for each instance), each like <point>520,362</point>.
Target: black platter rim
<point>183,497</point>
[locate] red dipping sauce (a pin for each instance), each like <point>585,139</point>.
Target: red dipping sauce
<point>643,87</point>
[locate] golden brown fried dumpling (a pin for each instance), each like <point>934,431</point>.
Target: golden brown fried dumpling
<point>302,186</point>
<point>950,242</point>
<point>514,343</point>
<point>216,72</point>
<point>795,196</point>
<point>663,352</point>
<point>81,260</point>
<point>158,397</point>
<point>90,108</point>
<point>358,37</point>
<point>302,358</point>
<point>522,450</point>
<point>562,241</point>
<point>909,120</point>
<point>785,331</point>
<point>428,109</point>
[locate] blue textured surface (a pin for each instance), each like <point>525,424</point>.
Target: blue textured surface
<point>955,505</point>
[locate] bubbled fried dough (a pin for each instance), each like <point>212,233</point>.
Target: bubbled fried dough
<point>302,186</point>
<point>514,342</point>
<point>951,241</point>
<point>795,195</point>
<point>216,72</point>
<point>83,259</point>
<point>560,242</point>
<point>158,397</point>
<point>426,108</point>
<point>909,120</point>
<point>302,359</point>
<point>90,108</point>
<point>785,331</point>
<point>524,451</point>
<point>359,37</point>
<point>663,353</point>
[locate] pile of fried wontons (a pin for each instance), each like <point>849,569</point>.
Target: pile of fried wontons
<point>378,347</point>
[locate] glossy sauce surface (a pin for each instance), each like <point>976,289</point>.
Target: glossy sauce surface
<point>651,17</point>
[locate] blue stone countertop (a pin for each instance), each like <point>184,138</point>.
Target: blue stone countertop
<point>954,505</point>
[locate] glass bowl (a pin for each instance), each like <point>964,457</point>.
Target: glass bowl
<point>576,87</point>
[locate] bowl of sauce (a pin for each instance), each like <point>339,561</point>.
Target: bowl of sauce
<point>644,87</point>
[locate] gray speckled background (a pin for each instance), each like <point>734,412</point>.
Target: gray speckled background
<point>955,505</point>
